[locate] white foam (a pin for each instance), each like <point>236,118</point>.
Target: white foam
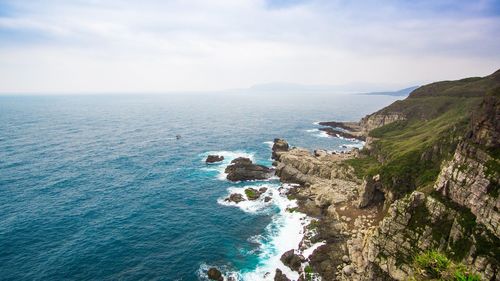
<point>253,206</point>
<point>322,134</point>
<point>308,252</point>
<point>285,231</point>
<point>318,133</point>
<point>269,143</point>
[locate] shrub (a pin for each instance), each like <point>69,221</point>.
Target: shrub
<point>433,263</point>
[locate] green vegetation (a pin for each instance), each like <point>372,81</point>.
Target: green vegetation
<point>309,272</point>
<point>435,265</point>
<point>364,166</point>
<point>408,153</point>
<point>250,193</point>
<point>413,150</point>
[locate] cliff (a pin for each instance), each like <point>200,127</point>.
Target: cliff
<point>425,185</point>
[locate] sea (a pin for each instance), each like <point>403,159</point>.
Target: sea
<point>98,187</point>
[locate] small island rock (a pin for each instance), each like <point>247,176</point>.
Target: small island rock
<point>214,158</point>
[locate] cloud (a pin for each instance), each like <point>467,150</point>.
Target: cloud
<point>91,45</point>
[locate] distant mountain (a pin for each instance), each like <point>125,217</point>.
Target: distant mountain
<point>399,93</point>
<point>350,88</point>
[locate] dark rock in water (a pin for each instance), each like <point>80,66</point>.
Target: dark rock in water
<point>242,169</point>
<point>292,260</point>
<point>214,274</point>
<point>279,145</point>
<point>214,158</point>
<point>279,276</point>
<point>267,199</point>
<point>235,197</point>
<point>262,189</point>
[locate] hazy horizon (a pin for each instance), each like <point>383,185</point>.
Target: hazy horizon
<point>115,46</point>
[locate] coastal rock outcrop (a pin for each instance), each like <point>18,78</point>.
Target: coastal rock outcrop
<point>214,159</point>
<point>242,169</point>
<point>280,145</point>
<point>371,192</point>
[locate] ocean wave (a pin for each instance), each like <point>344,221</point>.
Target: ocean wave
<point>318,133</point>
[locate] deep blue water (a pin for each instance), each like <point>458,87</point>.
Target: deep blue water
<point>98,188</point>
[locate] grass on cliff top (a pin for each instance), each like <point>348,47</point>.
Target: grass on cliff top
<point>432,265</point>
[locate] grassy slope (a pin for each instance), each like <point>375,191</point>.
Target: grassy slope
<point>408,154</point>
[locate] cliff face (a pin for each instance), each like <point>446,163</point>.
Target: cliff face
<point>418,223</point>
<point>470,179</point>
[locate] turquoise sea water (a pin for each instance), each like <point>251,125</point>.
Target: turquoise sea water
<point>98,188</point>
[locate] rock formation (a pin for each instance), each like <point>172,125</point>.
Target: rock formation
<point>242,169</point>
<point>279,146</point>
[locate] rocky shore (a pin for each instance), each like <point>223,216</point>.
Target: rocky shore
<point>328,188</point>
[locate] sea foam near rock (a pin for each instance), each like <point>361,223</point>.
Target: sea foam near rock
<point>285,231</point>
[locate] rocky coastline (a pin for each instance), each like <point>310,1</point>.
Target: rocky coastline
<point>423,188</point>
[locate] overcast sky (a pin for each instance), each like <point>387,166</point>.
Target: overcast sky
<point>160,46</point>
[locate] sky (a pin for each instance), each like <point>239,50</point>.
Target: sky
<point>75,46</point>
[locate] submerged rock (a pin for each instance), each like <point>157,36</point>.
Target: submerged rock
<point>279,276</point>
<point>242,169</point>
<point>292,260</point>
<point>214,158</point>
<point>214,274</point>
